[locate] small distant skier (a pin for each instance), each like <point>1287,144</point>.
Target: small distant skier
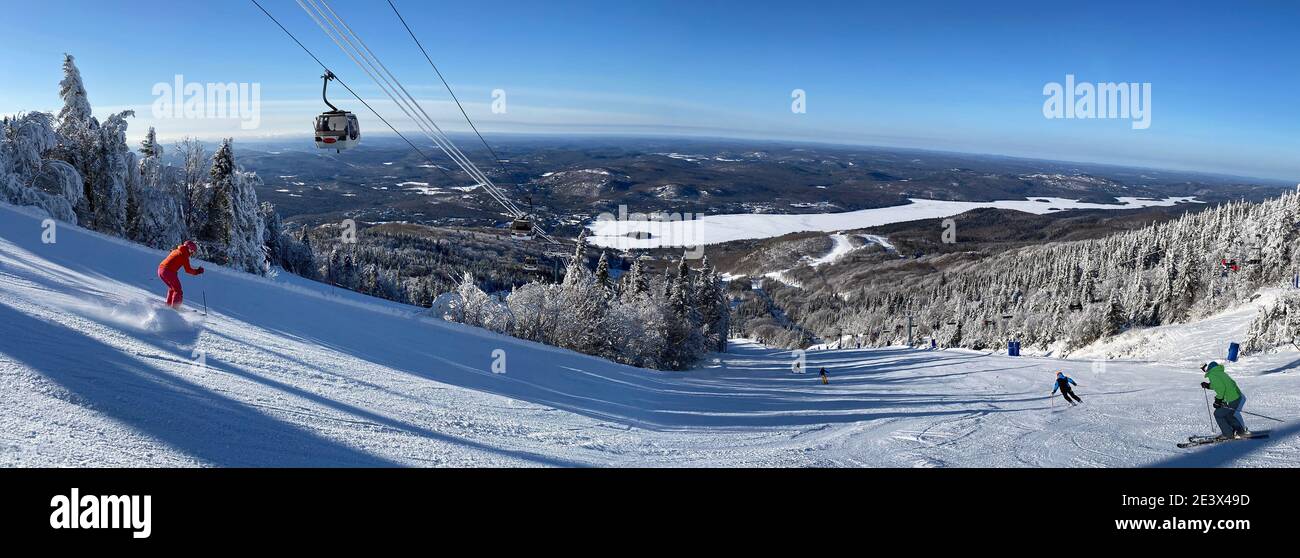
<point>1228,401</point>
<point>1063,383</point>
<point>826,378</point>
<point>167,271</point>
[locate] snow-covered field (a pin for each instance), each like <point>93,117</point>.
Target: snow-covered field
<point>286,372</point>
<point>715,229</point>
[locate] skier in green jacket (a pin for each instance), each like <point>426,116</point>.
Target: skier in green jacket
<point>1228,401</point>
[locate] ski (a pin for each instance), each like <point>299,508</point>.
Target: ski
<point>1204,437</point>
<point>1193,441</point>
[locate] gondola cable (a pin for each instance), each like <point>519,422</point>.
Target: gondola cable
<point>495,157</point>
<point>341,34</point>
<point>349,89</point>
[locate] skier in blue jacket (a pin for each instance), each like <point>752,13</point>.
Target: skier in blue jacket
<point>1063,383</point>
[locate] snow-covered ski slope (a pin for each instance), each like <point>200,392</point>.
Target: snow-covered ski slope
<point>92,373</point>
<point>1187,343</point>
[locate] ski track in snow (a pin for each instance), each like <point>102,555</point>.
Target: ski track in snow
<point>93,373</point>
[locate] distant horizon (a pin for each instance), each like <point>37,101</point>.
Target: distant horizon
<point>944,76</point>
<point>475,146</point>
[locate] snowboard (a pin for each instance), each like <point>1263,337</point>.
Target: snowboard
<point>1193,441</point>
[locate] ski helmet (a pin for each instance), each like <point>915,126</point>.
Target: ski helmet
<point>190,246</point>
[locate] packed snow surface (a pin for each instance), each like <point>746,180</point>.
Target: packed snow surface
<point>716,229</point>
<point>840,247</point>
<point>287,372</point>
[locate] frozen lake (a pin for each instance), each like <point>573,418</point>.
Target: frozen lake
<point>715,229</point>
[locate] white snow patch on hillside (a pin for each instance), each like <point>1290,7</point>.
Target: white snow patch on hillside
<point>784,277</point>
<point>715,229</point>
<point>840,247</point>
<point>880,240</point>
<point>421,188</point>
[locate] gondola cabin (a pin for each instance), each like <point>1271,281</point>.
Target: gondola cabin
<point>337,130</point>
<point>521,229</point>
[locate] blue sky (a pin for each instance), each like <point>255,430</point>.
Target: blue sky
<point>962,76</point>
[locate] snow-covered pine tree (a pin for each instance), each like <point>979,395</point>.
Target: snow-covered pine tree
<point>116,175</point>
<point>1115,320</point>
<point>711,304</point>
<point>76,113</point>
<point>636,283</point>
<point>272,231</point>
<point>535,307</point>
<point>215,239</point>
<point>159,222</point>
<point>1277,324</point>
<point>78,138</point>
<point>582,306</point>
<point>192,180</point>
<point>27,178</point>
<point>480,309</point>
<point>602,275</point>
<point>149,145</point>
<point>247,249</point>
<point>684,341</point>
<point>299,258</point>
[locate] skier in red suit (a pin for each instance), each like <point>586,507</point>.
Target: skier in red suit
<point>167,271</point>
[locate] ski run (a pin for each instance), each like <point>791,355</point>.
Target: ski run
<point>282,371</point>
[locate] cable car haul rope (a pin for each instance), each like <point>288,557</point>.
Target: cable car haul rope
<point>339,130</point>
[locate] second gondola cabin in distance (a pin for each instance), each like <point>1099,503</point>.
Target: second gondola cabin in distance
<point>336,129</point>
<point>521,228</point>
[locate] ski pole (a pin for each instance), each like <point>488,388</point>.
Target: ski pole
<point>1260,416</point>
<point>205,303</point>
<point>1208,408</point>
